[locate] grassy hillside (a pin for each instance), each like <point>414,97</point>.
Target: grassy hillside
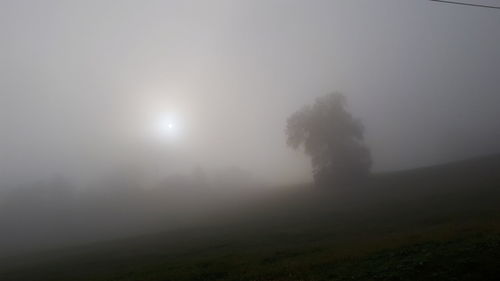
<point>435,223</point>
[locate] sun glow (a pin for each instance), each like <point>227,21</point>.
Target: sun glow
<point>165,115</point>
<point>166,125</point>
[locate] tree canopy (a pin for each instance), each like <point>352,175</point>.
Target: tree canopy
<point>332,138</point>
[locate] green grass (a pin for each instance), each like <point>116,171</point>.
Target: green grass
<point>438,223</point>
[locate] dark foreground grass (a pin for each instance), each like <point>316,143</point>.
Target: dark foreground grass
<point>476,258</point>
<point>431,224</point>
<point>438,256</point>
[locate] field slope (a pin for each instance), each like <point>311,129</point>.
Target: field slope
<point>434,223</point>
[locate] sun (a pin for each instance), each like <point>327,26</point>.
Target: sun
<point>165,125</point>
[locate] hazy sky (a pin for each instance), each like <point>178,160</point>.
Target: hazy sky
<point>85,84</point>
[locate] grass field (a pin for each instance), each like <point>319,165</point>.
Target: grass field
<point>436,223</point>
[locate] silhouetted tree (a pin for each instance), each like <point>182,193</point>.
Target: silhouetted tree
<point>332,138</point>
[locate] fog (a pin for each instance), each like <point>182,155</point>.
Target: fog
<point>99,98</point>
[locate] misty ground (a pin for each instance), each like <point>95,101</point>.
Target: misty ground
<point>436,223</point>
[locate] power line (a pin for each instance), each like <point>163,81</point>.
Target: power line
<point>466,4</point>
